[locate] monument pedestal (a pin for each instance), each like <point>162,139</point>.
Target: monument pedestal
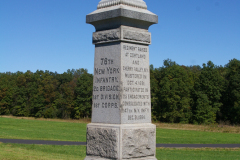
<point>99,158</point>
<point>121,126</point>
<point>121,141</point>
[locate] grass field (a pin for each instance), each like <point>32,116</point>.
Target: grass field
<point>73,130</point>
<point>15,128</point>
<point>45,152</point>
<point>42,130</point>
<point>174,136</point>
<point>223,128</point>
<point>41,152</point>
<point>198,154</point>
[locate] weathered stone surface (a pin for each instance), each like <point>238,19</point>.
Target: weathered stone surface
<point>136,36</point>
<point>124,33</point>
<point>138,142</point>
<point>106,84</point>
<point>121,141</point>
<point>121,84</point>
<point>106,36</point>
<point>103,142</point>
<point>135,78</point>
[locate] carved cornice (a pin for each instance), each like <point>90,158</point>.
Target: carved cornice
<point>106,36</point>
<point>122,34</point>
<point>132,3</point>
<point>137,36</point>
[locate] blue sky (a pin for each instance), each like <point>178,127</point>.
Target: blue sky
<point>52,34</point>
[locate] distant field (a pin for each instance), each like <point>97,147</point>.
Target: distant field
<point>70,130</point>
<point>48,152</point>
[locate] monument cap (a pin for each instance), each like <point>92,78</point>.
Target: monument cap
<point>111,14</point>
<point>132,3</point>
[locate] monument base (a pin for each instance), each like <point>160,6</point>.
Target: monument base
<point>121,141</point>
<point>99,158</point>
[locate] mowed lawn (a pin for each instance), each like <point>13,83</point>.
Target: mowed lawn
<point>11,128</point>
<point>198,154</point>
<point>41,152</point>
<point>174,136</point>
<point>49,152</point>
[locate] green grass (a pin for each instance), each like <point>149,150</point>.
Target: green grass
<point>41,152</point>
<point>11,128</point>
<point>42,130</point>
<point>68,131</point>
<point>198,154</point>
<point>49,152</point>
<point>175,136</point>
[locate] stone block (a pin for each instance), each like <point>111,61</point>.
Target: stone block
<point>124,141</point>
<point>138,142</point>
<point>102,141</point>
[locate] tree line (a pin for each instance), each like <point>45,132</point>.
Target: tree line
<point>46,94</point>
<point>179,94</point>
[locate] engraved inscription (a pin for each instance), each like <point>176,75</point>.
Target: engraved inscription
<point>122,86</point>
<point>106,61</point>
<point>136,100</point>
<point>106,80</point>
<point>106,84</point>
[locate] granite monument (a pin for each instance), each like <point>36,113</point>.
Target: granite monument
<point>121,125</point>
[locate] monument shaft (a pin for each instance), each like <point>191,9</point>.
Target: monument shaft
<point>121,112</point>
<point>121,93</point>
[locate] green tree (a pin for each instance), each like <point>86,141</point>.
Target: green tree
<point>7,85</point>
<point>174,93</point>
<point>207,94</point>
<point>154,85</point>
<point>65,101</point>
<point>47,94</point>
<point>83,95</point>
<point>231,98</point>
